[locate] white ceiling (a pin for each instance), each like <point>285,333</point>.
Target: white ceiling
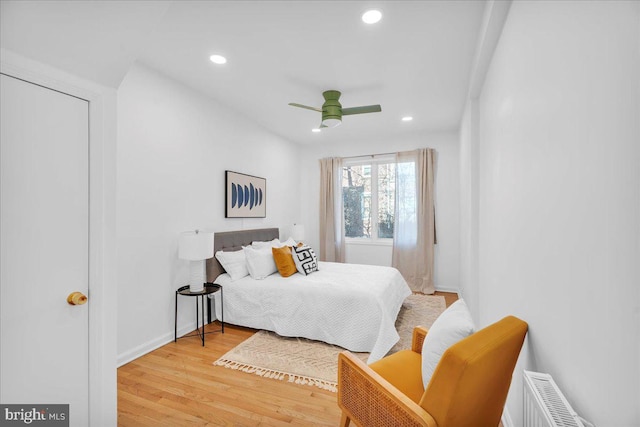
<point>416,61</point>
<point>95,40</point>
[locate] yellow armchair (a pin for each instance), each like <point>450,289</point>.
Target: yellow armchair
<point>468,388</point>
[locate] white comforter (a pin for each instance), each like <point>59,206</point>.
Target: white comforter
<point>350,305</point>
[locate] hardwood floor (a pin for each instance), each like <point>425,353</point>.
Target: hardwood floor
<point>449,297</point>
<point>178,385</point>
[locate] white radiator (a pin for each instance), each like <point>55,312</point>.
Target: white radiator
<point>545,405</point>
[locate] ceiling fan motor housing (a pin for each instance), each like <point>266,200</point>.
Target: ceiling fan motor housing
<point>331,109</point>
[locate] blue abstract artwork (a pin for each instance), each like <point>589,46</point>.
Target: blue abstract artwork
<point>245,195</point>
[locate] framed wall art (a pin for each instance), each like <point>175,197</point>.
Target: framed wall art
<point>246,196</point>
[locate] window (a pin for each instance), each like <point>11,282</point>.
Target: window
<point>368,193</point>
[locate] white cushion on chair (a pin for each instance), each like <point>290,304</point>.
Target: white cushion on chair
<point>453,325</point>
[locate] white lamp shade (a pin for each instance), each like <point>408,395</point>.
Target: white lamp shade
<point>297,232</point>
<point>195,245</point>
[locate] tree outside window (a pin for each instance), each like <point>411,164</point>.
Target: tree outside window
<point>368,192</point>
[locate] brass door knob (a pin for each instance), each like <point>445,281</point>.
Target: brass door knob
<point>76,298</point>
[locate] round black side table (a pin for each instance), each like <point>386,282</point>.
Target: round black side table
<point>209,288</point>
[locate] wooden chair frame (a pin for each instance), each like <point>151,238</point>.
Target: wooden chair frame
<point>382,404</point>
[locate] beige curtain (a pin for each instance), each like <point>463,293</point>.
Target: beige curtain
<point>331,213</point>
<point>414,228</point>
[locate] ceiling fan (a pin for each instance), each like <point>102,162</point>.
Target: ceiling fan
<point>332,110</point>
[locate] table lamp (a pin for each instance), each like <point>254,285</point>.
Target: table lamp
<point>196,246</point>
<point>297,233</point>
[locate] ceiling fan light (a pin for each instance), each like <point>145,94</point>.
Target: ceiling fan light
<point>331,122</point>
<point>407,119</point>
<point>371,16</point>
<point>315,130</point>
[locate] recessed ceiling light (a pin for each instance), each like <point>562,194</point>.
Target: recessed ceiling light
<point>316,130</point>
<point>218,59</point>
<point>407,119</point>
<point>372,16</point>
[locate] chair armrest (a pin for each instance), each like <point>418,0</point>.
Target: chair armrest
<point>419,334</point>
<point>369,400</point>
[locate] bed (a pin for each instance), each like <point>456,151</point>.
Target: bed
<point>349,305</point>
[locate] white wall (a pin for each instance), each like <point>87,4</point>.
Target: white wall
<point>368,253</point>
<point>447,196</point>
<point>559,199</point>
<point>469,213</point>
<point>173,148</point>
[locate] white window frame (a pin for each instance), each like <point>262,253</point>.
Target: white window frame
<point>374,161</point>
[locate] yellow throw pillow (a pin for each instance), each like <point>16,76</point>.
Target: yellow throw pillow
<point>284,261</point>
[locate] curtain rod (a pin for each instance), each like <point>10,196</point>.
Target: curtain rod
<point>382,154</point>
<point>368,155</point>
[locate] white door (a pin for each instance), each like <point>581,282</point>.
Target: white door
<point>44,220</point>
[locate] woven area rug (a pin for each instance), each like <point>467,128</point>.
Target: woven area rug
<point>308,362</point>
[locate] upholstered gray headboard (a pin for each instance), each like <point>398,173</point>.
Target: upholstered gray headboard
<point>234,241</point>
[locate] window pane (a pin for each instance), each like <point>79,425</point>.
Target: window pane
<point>386,199</point>
<point>356,194</point>
<point>407,207</point>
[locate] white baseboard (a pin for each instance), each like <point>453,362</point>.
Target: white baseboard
<point>151,345</point>
<point>445,289</point>
<point>506,418</point>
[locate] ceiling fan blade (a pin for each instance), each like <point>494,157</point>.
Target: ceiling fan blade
<point>322,125</point>
<point>293,104</point>
<point>361,110</point>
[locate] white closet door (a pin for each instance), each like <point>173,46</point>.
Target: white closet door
<point>44,222</point>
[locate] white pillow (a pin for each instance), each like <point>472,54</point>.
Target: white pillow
<point>289,242</point>
<point>222,280</point>
<point>305,259</point>
<point>260,262</point>
<point>453,325</point>
<point>234,263</point>
<point>275,243</point>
